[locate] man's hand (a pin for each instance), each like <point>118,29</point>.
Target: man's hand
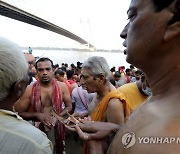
<point>48,120</point>
<point>99,135</point>
<point>90,130</point>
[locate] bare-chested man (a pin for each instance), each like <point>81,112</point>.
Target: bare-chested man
<point>152,41</point>
<point>44,97</point>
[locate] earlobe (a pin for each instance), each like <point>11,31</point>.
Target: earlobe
<point>172,31</point>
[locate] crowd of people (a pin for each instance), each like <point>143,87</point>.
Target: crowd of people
<point>108,108</point>
<point>85,90</point>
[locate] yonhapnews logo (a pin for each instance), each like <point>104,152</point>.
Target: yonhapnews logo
<point>129,139</point>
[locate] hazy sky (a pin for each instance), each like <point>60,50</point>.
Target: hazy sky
<point>97,21</point>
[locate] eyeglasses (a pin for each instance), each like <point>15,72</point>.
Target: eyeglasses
<point>85,77</point>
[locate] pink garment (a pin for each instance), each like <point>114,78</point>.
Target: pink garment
<point>71,81</point>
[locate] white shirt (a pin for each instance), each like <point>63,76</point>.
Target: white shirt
<point>17,136</point>
<point>82,99</point>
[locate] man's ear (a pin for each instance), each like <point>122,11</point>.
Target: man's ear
<point>172,31</point>
<point>102,78</point>
<point>17,89</point>
<point>173,27</point>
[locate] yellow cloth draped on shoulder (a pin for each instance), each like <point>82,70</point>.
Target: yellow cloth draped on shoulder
<point>98,112</point>
<point>128,94</point>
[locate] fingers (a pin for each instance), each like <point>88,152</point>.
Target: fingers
<point>54,121</point>
<point>85,120</point>
<point>49,121</point>
<point>73,129</point>
<point>74,120</point>
<point>47,124</point>
<point>96,135</point>
<point>57,116</point>
<point>82,135</point>
<point>88,126</point>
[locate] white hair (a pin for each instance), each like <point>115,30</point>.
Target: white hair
<point>13,66</point>
<point>97,65</point>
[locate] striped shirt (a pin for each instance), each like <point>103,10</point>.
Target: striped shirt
<point>17,136</point>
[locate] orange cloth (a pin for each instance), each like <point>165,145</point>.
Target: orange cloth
<point>68,86</point>
<point>102,106</point>
<point>132,96</point>
<point>128,94</point>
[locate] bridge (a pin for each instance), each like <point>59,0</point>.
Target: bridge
<point>21,15</point>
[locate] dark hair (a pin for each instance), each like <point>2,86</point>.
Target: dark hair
<point>31,75</point>
<point>73,66</point>
<point>60,72</point>
<point>42,60</point>
<point>131,66</point>
<point>63,69</point>
<point>127,70</point>
<point>113,82</point>
<point>161,4</point>
<point>139,72</point>
<point>112,69</point>
<point>66,65</point>
<point>117,74</point>
<point>69,74</point>
<point>56,66</point>
<point>79,65</point>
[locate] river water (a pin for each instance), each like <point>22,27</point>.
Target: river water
<point>58,56</point>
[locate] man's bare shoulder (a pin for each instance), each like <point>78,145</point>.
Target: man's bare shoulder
<point>62,85</point>
<point>28,90</point>
<point>114,105</point>
<point>150,120</point>
<point>114,102</point>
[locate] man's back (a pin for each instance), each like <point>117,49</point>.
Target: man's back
<point>19,137</point>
